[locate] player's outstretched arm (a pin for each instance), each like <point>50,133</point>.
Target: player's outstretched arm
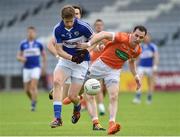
<point>61,52</point>
<point>156,61</point>
<point>51,46</point>
<point>44,62</point>
<point>96,39</point>
<point>132,67</point>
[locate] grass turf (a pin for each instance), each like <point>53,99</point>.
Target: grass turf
<point>160,118</point>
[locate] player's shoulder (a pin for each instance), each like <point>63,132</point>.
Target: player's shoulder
<point>37,41</point>
<point>153,46</point>
<point>23,42</point>
<point>123,36</point>
<point>58,27</point>
<point>82,24</point>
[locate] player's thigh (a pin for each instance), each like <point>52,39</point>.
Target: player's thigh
<point>141,71</point>
<point>36,73</point>
<point>75,87</point>
<point>79,71</point>
<point>98,70</point>
<point>65,90</point>
<point>27,86</point>
<point>34,84</point>
<point>113,77</point>
<point>113,90</point>
<point>61,73</point>
<point>26,75</point>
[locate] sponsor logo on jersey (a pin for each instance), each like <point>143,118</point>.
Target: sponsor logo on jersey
<point>122,55</point>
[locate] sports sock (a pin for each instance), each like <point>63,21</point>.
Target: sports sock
<point>138,94</point>
<point>149,96</point>
<point>57,109</point>
<point>101,107</point>
<point>77,107</point>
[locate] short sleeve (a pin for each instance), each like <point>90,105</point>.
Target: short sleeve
<point>57,35</point>
<point>21,47</point>
<point>87,30</point>
<point>41,47</point>
<point>118,37</point>
<point>154,47</point>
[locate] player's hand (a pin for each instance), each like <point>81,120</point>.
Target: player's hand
<point>138,82</point>
<point>23,59</point>
<point>100,47</point>
<point>154,68</point>
<point>82,53</point>
<point>77,59</point>
<point>43,71</point>
<point>82,45</point>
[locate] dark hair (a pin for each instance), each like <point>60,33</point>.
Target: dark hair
<point>78,7</point>
<point>99,20</point>
<point>31,27</point>
<point>141,28</point>
<point>67,12</point>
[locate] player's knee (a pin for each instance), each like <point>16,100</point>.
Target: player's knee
<point>72,97</point>
<point>57,83</point>
<point>90,98</point>
<point>113,96</point>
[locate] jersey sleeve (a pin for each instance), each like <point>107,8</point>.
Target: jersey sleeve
<point>118,37</point>
<point>87,30</point>
<point>41,47</point>
<point>57,35</point>
<point>21,47</point>
<point>154,47</point>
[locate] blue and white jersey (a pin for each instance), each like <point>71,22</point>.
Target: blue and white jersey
<point>69,38</point>
<point>146,57</point>
<point>31,51</point>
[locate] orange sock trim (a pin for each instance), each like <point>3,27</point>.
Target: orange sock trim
<point>96,121</point>
<point>111,123</point>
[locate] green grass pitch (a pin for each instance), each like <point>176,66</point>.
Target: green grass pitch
<point>161,118</point>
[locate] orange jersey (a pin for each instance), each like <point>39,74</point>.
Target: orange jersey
<point>95,54</point>
<point>117,52</point>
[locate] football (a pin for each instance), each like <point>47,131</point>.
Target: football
<point>92,86</point>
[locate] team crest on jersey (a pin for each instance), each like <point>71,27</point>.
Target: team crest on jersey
<point>76,33</point>
<point>63,35</point>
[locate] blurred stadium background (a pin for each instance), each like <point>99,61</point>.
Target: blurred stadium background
<point>161,17</point>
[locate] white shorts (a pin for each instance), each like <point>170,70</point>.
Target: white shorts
<point>72,69</point>
<point>29,74</point>
<point>99,70</point>
<point>145,71</point>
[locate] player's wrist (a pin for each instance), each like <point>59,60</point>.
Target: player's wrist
<point>57,56</point>
<point>136,76</point>
<point>155,67</point>
<point>89,43</point>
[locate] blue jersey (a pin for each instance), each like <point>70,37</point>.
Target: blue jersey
<point>31,51</point>
<point>146,57</point>
<point>80,32</point>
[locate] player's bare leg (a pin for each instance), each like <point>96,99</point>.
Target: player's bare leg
<point>34,93</point>
<point>150,89</point>
<point>27,89</point>
<point>58,81</point>
<point>65,90</point>
<point>100,98</point>
<point>113,91</point>
<point>92,109</point>
<point>74,89</point>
